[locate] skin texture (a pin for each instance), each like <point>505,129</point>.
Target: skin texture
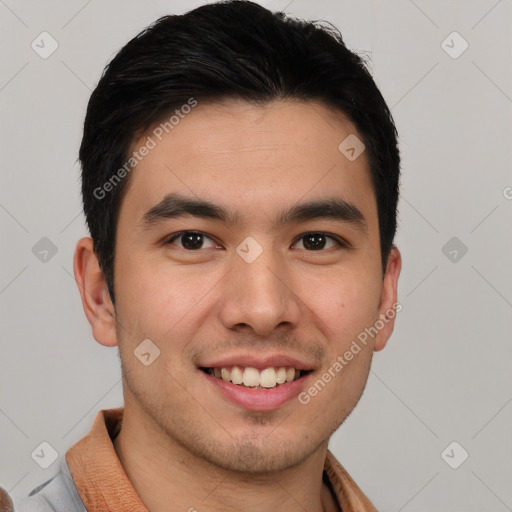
<point>182,442</point>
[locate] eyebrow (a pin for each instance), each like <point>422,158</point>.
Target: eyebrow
<point>177,205</point>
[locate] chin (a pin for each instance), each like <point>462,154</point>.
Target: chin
<point>256,455</point>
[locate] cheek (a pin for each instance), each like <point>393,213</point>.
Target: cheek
<point>345,307</point>
<point>159,301</point>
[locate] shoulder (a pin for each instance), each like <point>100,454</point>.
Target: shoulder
<point>58,494</point>
<point>5,501</point>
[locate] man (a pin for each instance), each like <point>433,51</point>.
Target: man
<point>240,182</point>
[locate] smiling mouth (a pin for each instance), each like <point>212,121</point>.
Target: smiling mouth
<point>250,377</point>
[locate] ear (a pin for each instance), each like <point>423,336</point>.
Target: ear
<point>93,289</point>
<point>389,306</point>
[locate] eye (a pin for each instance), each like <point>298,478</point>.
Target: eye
<point>190,240</point>
<point>195,240</point>
<point>318,241</point>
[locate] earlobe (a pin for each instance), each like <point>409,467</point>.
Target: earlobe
<point>389,305</point>
<point>93,289</point>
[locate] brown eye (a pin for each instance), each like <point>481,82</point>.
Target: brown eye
<point>190,240</point>
<point>318,241</point>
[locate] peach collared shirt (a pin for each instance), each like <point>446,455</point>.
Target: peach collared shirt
<point>104,486</point>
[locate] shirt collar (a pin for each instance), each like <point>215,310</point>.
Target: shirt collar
<point>103,484</point>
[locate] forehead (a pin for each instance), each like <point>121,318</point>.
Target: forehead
<point>250,159</point>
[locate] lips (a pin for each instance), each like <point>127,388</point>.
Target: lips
<point>257,371</point>
<point>259,362</point>
<point>255,398</point>
<point>260,383</point>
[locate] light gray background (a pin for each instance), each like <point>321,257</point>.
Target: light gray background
<point>445,374</point>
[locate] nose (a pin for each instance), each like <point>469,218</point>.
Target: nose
<point>259,296</point>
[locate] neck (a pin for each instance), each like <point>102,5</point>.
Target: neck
<point>163,472</point>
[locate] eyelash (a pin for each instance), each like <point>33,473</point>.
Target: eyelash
<point>339,241</point>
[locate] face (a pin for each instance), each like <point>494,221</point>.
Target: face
<point>235,290</point>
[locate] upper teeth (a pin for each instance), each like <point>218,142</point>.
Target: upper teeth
<point>252,377</point>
